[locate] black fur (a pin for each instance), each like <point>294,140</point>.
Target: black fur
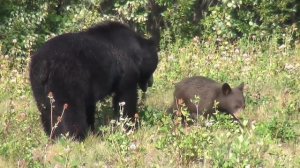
<point>82,68</point>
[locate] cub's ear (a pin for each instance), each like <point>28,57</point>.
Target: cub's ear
<point>241,86</point>
<point>226,89</point>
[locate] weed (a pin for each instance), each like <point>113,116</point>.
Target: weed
<point>271,139</point>
<point>278,129</point>
<point>59,118</point>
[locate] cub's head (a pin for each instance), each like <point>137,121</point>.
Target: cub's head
<point>231,100</point>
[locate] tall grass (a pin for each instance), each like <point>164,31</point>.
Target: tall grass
<point>271,137</point>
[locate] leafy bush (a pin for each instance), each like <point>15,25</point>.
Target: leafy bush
<point>211,19</point>
<point>151,116</point>
<point>278,129</point>
<point>245,18</point>
<point>28,24</point>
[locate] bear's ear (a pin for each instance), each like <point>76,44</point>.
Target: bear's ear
<point>241,86</point>
<point>226,89</point>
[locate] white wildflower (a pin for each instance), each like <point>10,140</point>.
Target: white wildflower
<point>133,146</point>
<point>281,47</point>
<point>122,103</point>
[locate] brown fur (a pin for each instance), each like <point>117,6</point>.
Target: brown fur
<point>231,100</point>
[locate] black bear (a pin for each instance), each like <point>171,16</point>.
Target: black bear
<point>79,69</point>
<point>230,100</point>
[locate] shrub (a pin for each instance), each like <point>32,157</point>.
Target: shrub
<point>278,129</point>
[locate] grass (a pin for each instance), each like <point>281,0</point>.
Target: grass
<point>270,139</point>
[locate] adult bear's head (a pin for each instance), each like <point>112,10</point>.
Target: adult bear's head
<point>142,51</point>
<point>148,63</point>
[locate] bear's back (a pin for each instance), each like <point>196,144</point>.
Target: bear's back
<point>198,85</point>
<point>204,88</point>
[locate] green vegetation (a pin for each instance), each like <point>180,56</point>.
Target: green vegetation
<point>225,42</point>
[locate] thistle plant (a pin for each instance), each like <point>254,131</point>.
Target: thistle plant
<point>59,118</point>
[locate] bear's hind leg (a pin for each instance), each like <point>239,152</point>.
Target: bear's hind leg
<point>90,113</point>
<point>69,119</point>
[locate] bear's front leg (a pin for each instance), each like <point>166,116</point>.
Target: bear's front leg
<point>129,96</point>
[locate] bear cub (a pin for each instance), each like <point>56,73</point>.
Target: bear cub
<point>230,100</point>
